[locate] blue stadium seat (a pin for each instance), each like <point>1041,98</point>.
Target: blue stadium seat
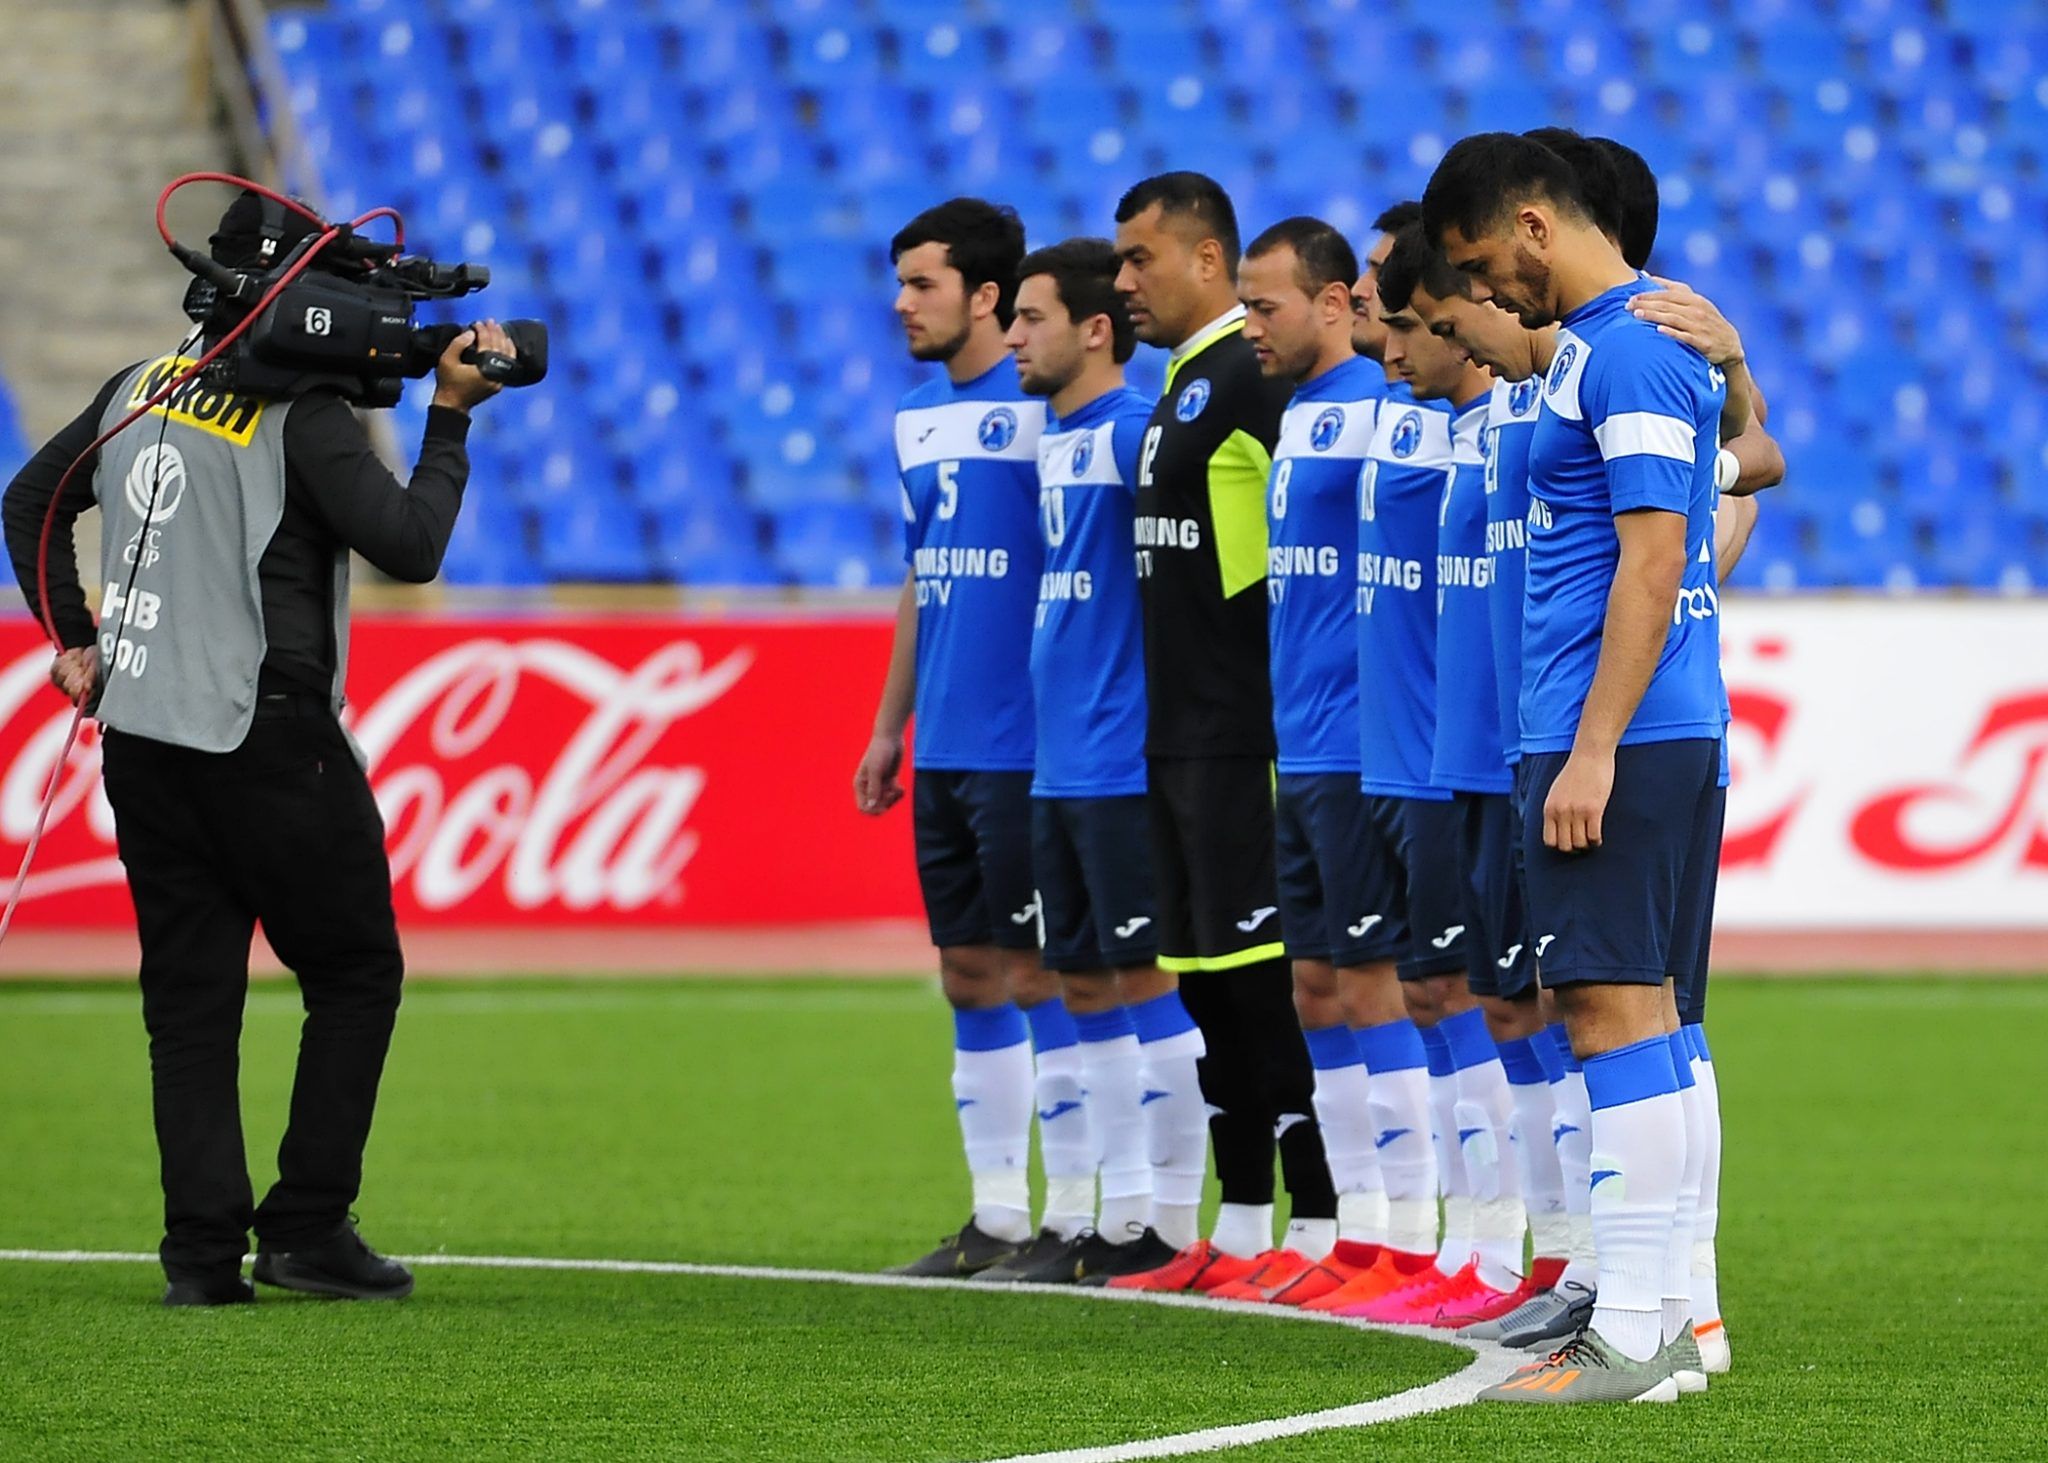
<point>600,537</point>
<point>698,194</point>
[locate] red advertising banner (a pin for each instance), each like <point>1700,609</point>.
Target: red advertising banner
<point>1890,761</point>
<point>551,771</point>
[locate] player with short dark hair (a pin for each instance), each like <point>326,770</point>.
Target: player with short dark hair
<point>1201,531</point>
<point>1091,833</point>
<point>1477,688</point>
<point>1409,470</point>
<point>1368,334</point>
<point>967,445</point>
<point>1622,718</point>
<point>1339,914</point>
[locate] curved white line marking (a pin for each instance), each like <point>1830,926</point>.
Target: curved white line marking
<point>1489,1363</point>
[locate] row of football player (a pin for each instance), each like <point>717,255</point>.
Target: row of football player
<point>1477,726</point>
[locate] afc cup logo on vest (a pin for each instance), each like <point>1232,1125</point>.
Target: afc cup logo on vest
<point>997,430</point>
<point>1408,434</point>
<point>158,472</point>
<point>1522,396</point>
<point>1565,358</point>
<point>1327,429</point>
<point>1084,453</point>
<point>1191,401</point>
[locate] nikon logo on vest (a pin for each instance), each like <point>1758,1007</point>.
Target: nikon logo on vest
<point>198,403</point>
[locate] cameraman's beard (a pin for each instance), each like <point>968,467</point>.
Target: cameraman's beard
<point>942,350</point>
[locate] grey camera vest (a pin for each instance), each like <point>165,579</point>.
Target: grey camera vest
<point>190,635</point>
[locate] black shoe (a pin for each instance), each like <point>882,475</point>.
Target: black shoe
<point>1069,1262</point>
<point>1048,1254</point>
<point>227,1290</point>
<point>342,1267</point>
<point>1147,1252</point>
<point>958,1256</point>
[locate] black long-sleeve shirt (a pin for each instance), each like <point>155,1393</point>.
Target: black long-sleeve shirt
<point>337,492</point>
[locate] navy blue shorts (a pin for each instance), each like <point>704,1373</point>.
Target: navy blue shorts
<point>1341,898</point>
<point>1498,960</point>
<point>1422,837</point>
<point>1692,936</point>
<point>1608,915</point>
<point>974,857</point>
<point>1093,859</point>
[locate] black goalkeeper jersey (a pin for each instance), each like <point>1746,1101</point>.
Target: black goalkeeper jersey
<point>1201,504</point>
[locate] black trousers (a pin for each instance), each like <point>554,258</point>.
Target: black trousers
<point>281,831</point>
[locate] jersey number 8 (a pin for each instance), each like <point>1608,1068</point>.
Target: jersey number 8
<point>1280,477</point>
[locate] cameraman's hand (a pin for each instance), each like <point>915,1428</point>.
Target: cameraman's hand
<point>459,385</point>
<point>76,673</point>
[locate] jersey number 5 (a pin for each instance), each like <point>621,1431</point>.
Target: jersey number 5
<point>949,489</point>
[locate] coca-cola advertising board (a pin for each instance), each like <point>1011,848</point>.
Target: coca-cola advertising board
<point>1890,758</point>
<point>597,769</point>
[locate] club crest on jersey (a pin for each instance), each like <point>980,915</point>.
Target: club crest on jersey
<point>1191,401</point>
<point>1522,395</point>
<point>1563,367</point>
<point>1408,434</point>
<point>1084,453</point>
<point>1327,429</point>
<point>997,430</point>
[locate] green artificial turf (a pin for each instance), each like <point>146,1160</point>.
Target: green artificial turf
<point>1886,1174</point>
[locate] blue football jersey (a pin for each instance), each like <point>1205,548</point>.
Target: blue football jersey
<point>969,458</point>
<point>1630,421</point>
<point>1088,645</point>
<point>1400,498</point>
<point>1312,512</point>
<point>1469,754</point>
<point>1510,422</point>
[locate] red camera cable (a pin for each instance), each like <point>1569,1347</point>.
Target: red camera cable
<point>49,623</point>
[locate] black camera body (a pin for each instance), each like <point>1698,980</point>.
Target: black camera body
<point>347,324</point>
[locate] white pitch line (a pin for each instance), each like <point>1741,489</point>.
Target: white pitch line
<point>1489,1364</point>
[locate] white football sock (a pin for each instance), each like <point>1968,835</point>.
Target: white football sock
<point>1312,1237</point>
<point>1678,1316</point>
<point>1066,1146</point>
<point>1572,1131</point>
<point>1455,1246</point>
<point>1364,1219</point>
<point>1637,1166</point>
<point>1535,1148</point>
<point>1484,1115</point>
<point>992,1092</point>
<point>1243,1230</point>
<point>1706,1285</point>
<point>1112,1072</point>
<point>1176,1117</point>
<point>1344,1112</point>
<point>1398,1095</point>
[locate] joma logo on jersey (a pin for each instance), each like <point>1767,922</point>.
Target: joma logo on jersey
<point>197,404</point>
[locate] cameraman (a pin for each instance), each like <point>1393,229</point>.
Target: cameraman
<point>217,679</point>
